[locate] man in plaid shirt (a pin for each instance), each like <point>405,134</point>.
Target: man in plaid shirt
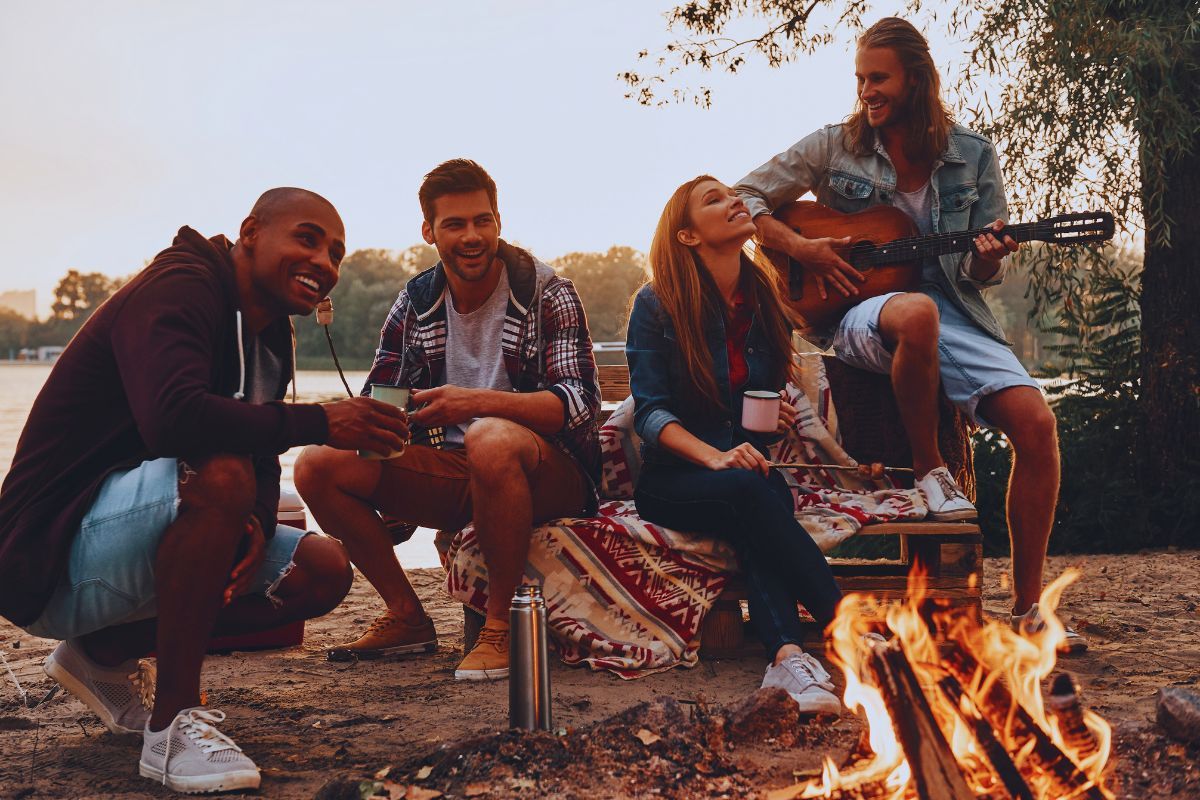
<point>495,346</point>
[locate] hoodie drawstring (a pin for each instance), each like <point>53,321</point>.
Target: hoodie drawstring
<point>240,394</point>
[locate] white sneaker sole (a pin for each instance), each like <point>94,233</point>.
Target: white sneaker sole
<point>85,695</point>
<point>823,703</point>
<point>201,784</point>
<point>480,674</point>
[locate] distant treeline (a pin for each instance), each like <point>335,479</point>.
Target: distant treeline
<point>371,279</point>
<point>76,296</point>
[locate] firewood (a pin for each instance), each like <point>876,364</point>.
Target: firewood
<point>993,749</point>
<point>1003,713</point>
<point>936,774</point>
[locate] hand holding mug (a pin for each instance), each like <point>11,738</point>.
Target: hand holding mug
<point>761,411</point>
<point>364,423</point>
<point>787,417</point>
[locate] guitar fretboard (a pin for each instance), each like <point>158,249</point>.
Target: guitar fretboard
<point>916,248</point>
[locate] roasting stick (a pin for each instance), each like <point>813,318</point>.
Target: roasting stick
<point>865,469</point>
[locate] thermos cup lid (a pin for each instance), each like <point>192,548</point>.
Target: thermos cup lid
<point>527,594</point>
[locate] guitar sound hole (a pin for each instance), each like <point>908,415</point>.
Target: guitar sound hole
<point>859,256</point>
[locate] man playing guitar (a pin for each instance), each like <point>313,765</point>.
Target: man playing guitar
<point>901,147</point>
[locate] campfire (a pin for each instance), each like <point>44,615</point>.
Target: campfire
<point>955,709</point>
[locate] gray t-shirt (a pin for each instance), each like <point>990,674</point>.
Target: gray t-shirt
<point>473,356</point>
<point>918,206</point>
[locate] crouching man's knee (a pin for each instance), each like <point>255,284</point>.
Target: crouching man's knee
<point>319,579</point>
<point>222,483</point>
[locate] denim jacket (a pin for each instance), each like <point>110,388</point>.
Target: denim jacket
<point>658,380</point>
<point>968,192</point>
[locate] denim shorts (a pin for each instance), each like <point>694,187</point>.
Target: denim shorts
<point>110,566</point>
<point>972,364</point>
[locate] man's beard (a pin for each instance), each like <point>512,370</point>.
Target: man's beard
<point>470,274</point>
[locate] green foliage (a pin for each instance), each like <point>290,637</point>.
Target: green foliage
<point>606,283</point>
<point>370,281</point>
<point>14,332</point>
<point>78,294</point>
<point>1100,506</point>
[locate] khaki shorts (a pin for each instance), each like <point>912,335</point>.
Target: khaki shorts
<point>432,488</point>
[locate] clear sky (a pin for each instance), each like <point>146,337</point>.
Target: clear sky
<point>125,119</point>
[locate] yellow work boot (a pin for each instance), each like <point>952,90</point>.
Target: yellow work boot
<point>390,634</point>
<point>488,659</point>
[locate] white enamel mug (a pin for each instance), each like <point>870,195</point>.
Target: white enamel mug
<point>760,411</point>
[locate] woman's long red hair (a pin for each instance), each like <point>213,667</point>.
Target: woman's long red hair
<point>689,295</point>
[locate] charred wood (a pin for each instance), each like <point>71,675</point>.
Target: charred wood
<point>985,734</point>
<point>936,774</point>
<point>999,708</point>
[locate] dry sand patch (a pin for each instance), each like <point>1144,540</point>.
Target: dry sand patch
<point>308,721</point>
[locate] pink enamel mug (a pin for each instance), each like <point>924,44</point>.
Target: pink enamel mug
<point>760,411</point>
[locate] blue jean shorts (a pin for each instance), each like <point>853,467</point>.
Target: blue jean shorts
<point>972,364</point>
<point>110,566</point>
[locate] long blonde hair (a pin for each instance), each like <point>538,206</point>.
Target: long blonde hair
<point>688,294</point>
<point>929,121</point>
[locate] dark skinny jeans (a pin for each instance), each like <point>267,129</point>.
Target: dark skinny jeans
<point>780,561</point>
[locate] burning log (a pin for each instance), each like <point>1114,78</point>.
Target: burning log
<point>1068,712</point>
<point>1002,713</point>
<point>935,772</point>
<point>993,749</point>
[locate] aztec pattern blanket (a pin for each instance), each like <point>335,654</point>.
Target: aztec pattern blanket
<point>628,596</point>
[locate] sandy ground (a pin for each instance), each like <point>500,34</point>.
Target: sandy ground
<point>306,720</point>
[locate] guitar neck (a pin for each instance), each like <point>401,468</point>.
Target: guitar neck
<point>917,248</point>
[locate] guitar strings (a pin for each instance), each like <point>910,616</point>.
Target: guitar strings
<point>922,246</point>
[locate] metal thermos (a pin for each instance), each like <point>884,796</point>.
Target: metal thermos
<point>528,665</point>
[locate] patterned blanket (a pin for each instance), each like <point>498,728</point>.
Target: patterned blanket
<point>628,596</point>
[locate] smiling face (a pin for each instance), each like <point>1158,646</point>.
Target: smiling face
<point>294,255</point>
<point>884,87</point>
<point>465,229</point>
<point>717,217</point>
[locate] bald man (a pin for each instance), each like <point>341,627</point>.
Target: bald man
<point>139,513</point>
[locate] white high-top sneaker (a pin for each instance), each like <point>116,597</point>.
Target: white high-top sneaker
<point>191,755</point>
<point>946,501</point>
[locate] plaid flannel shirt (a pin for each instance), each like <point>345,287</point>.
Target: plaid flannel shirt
<point>545,346</point>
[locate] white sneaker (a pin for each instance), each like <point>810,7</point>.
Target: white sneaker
<point>1031,622</point>
<point>198,758</point>
<point>803,677</point>
<point>946,501</point>
<point>115,694</point>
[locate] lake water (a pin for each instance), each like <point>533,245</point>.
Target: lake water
<point>20,383</point>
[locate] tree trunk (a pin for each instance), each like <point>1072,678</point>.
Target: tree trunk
<point>1169,424</point>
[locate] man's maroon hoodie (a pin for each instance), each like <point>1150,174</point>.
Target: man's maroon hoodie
<point>152,374</point>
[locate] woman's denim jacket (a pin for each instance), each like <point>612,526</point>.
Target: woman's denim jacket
<point>658,381</point>
<point>968,193</point>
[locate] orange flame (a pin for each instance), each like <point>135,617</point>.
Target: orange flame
<point>1019,662</point>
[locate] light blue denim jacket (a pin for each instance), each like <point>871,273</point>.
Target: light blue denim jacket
<point>968,192</point>
<point>658,380</point>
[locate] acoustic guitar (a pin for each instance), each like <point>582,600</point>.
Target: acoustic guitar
<point>887,249</point>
